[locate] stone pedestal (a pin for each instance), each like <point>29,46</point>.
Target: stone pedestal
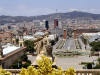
<point>45,49</point>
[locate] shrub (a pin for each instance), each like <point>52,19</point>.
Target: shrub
<point>52,42</point>
<point>45,68</point>
<point>3,72</point>
<point>89,66</point>
<point>84,63</point>
<point>95,46</point>
<point>24,57</point>
<point>17,40</point>
<point>97,66</point>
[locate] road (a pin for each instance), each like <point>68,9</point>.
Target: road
<point>69,44</point>
<point>31,58</point>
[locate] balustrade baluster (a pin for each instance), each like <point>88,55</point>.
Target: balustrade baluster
<point>15,73</point>
<point>93,73</point>
<point>85,73</point>
<point>76,73</point>
<point>80,73</point>
<point>88,73</point>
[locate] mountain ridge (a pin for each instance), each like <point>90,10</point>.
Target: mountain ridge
<point>69,15</point>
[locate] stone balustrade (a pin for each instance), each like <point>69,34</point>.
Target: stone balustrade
<point>78,72</point>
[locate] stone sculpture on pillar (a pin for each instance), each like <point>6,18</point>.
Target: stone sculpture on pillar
<point>45,49</point>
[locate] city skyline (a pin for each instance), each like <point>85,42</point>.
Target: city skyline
<point>43,7</point>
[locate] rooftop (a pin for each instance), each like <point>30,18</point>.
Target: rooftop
<point>9,48</point>
<point>39,33</point>
<point>28,37</point>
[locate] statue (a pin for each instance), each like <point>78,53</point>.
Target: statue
<point>37,47</point>
<point>45,49</point>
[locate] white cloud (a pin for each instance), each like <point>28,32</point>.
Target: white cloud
<point>3,11</point>
<point>25,10</point>
<point>93,9</point>
<point>90,10</point>
<point>42,11</point>
<point>73,9</point>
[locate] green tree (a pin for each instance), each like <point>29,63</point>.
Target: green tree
<point>99,60</point>
<point>17,40</point>
<point>89,66</point>
<point>84,41</point>
<point>52,42</point>
<point>98,64</point>
<point>24,57</point>
<point>95,46</point>
<point>30,45</point>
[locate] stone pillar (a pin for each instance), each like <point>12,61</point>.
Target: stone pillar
<point>21,43</point>
<point>46,50</point>
<point>75,34</point>
<point>14,41</point>
<point>65,34</point>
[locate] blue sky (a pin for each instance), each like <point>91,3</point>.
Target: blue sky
<point>43,7</point>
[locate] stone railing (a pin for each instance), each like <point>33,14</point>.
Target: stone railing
<point>88,72</point>
<point>78,72</point>
<point>14,71</point>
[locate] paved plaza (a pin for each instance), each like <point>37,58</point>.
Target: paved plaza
<point>67,62</point>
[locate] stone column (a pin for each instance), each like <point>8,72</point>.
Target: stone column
<point>14,41</point>
<point>75,34</point>
<point>21,43</point>
<point>65,34</point>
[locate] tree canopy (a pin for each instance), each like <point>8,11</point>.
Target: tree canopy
<point>30,45</point>
<point>95,46</point>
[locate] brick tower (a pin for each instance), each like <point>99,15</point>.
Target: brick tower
<point>65,34</point>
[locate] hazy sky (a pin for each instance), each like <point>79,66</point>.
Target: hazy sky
<point>42,7</point>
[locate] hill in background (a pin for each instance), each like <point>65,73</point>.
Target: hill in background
<point>62,16</point>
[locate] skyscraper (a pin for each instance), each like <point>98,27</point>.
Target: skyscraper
<point>46,25</point>
<point>55,23</point>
